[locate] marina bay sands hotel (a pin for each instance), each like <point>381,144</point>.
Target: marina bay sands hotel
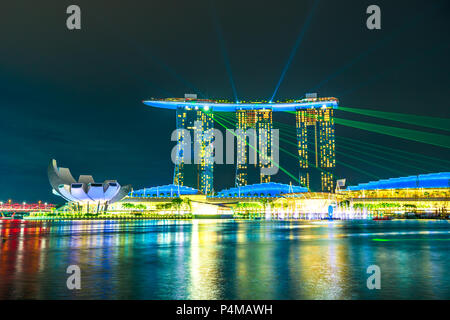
<point>314,128</point>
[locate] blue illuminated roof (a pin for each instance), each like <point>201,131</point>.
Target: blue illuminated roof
<point>432,180</point>
<point>167,191</point>
<point>270,189</point>
<point>213,105</point>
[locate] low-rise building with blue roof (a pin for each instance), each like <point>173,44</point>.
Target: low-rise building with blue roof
<point>424,194</point>
<point>431,180</point>
<point>166,191</point>
<point>261,190</point>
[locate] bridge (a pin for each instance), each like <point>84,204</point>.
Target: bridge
<point>9,207</point>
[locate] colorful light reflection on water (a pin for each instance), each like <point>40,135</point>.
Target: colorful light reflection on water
<point>222,259</point>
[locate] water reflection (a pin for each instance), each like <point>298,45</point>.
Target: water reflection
<point>219,259</point>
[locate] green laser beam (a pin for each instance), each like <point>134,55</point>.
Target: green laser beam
<point>340,162</point>
<point>395,152</point>
<point>408,134</point>
<point>351,147</point>
<point>284,127</point>
<point>284,130</point>
<point>414,239</point>
<point>423,121</point>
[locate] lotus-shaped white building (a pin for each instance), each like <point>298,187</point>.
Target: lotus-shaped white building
<point>85,190</point>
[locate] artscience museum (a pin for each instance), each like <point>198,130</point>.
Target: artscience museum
<point>85,192</point>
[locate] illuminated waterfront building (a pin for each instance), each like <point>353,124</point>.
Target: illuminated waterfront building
<point>194,155</point>
<point>243,122</point>
<point>425,193</point>
<point>422,194</point>
<point>167,191</point>
<point>314,123</point>
<point>85,193</point>
<point>316,147</point>
<point>261,190</point>
<point>261,122</point>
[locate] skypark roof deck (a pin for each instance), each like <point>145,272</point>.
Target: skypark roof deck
<point>225,106</point>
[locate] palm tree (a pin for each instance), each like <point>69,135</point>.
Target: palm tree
<point>266,202</point>
<point>187,202</point>
<point>177,203</point>
<point>128,205</point>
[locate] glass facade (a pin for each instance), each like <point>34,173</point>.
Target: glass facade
<point>316,147</point>
<point>261,121</point>
<point>204,136</point>
<point>194,171</point>
<point>181,119</point>
<point>264,129</point>
<point>242,123</point>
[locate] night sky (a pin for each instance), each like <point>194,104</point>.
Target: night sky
<point>76,96</point>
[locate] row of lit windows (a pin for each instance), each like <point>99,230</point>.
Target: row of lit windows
<point>327,181</point>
